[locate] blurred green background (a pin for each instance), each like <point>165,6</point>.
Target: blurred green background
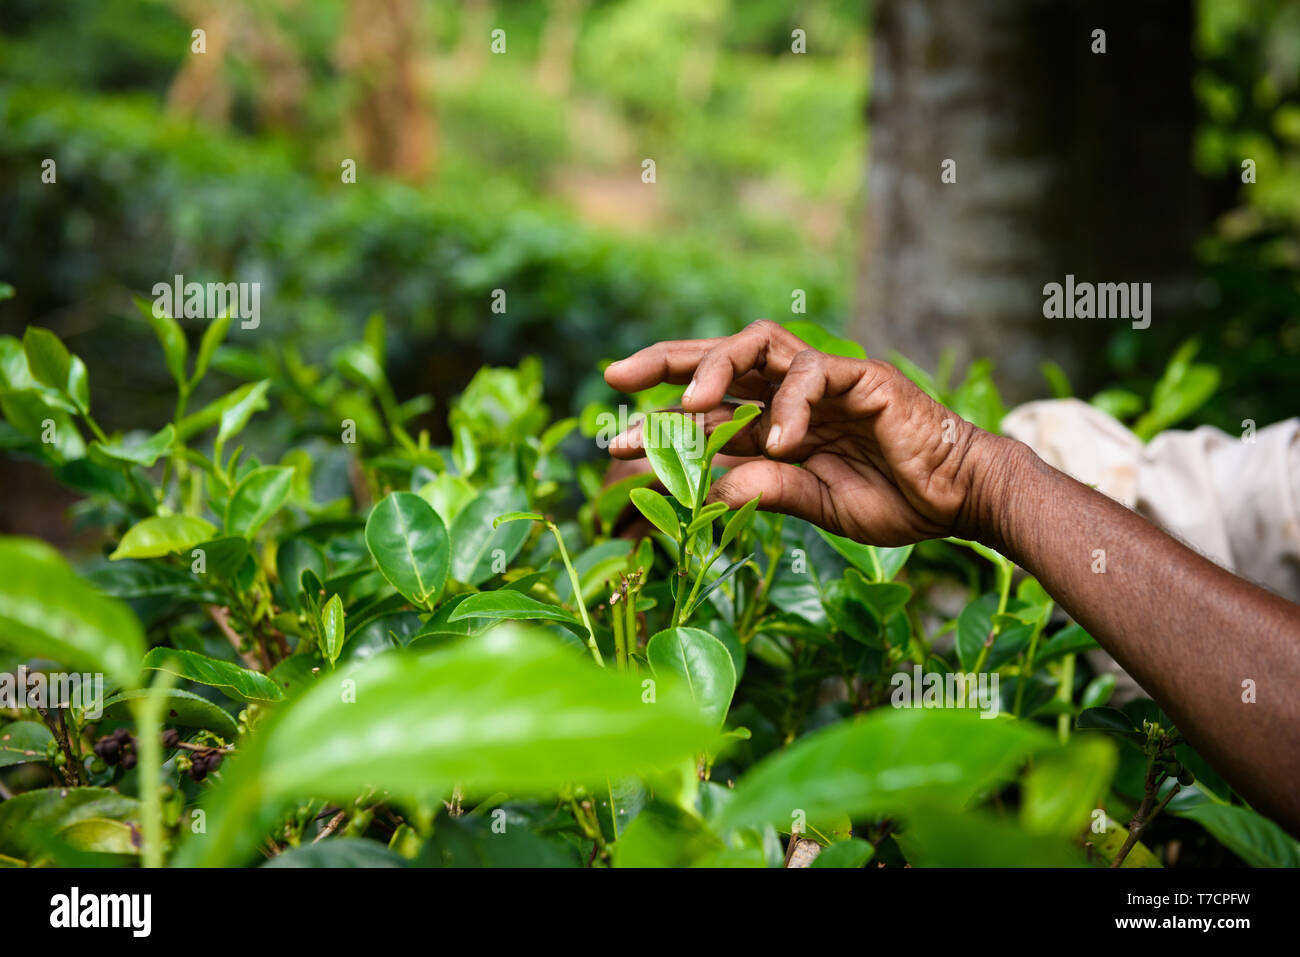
<point>522,170</point>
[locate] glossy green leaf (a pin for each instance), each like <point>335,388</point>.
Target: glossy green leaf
<point>514,605</point>
<point>170,336</point>
<point>877,563</point>
<point>738,522</point>
<point>257,497</point>
<point>239,408</point>
<point>657,510</point>
<point>410,545</point>
<point>29,821</point>
<point>821,340</point>
<point>854,852</point>
<point>47,358</point>
<point>675,444</point>
<point>180,708</point>
<point>974,625</point>
<point>1251,836</point>
<point>213,336</point>
<point>46,610</point>
<point>517,517</point>
<point>23,741</point>
<point>707,516</point>
<point>331,629</point>
<point>724,432</point>
<point>880,764</point>
<point>162,535</point>
<point>292,558</point>
<point>509,711</point>
<point>143,453</point>
<point>883,599</point>
<point>481,549</point>
<point>701,662</point>
<point>234,681</point>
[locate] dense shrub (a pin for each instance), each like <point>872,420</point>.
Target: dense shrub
<point>322,644</point>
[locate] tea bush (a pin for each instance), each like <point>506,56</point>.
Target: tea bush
<point>374,650</point>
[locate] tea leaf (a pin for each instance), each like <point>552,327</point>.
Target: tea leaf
<point>161,535</point>
<point>409,543</point>
<point>235,681</point>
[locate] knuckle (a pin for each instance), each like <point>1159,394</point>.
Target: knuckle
<point>765,326</point>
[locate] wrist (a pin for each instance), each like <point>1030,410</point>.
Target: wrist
<point>999,471</point>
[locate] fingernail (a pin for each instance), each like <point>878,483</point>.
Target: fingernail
<point>690,389</point>
<point>615,364</point>
<point>773,438</point>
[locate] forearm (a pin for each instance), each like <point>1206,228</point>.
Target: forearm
<point>1188,631</point>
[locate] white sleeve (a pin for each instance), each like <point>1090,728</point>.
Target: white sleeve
<point>1235,500</point>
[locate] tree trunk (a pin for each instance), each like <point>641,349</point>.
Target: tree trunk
<point>1066,161</point>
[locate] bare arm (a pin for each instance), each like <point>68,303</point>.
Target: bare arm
<point>856,448</point>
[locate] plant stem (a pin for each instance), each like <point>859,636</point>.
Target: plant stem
<point>1065,692</point>
<point>148,712</point>
<point>577,594</point>
<point>616,622</point>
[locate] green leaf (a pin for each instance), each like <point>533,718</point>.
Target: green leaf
<point>706,517</point>
<point>1111,721</point>
<point>510,711</point>
<point>46,610</point>
<point>724,432</point>
<point>22,742</point>
<point>1065,785</point>
<point>409,543</point>
<point>665,836</point>
<point>723,578</point>
<point>738,522</point>
<point>213,336</point>
<point>877,563</point>
<point>881,764</point>
<point>338,852</point>
<point>240,408</point>
<point>211,413</point>
<point>29,821</point>
<point>854,852</point>
<point>331,629</point>
<point>144,453</point>
<point>974,625</point>
<point>292,558</point>
<point>675,444</point>
<point>234,681</point>
<point>940,835</point>
<point>657,510</point>
<point>161,535</point>
<point>47,358</point>
<point>257,497</point>
<point>170,336</point>
<point>1069,640</point>
<point>517,517</point>
<point>1254,838</point>
<point>821,340</point>
<point>479,548</point>
<point>882,599</point>
<point>181,708</point>
<point>508,604</point>
<point>699,660</point>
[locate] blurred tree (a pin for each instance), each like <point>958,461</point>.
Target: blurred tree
<point>200,88</point>
<point>391,116</point>
<point>559,39</point>
<point>1066,161</point>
